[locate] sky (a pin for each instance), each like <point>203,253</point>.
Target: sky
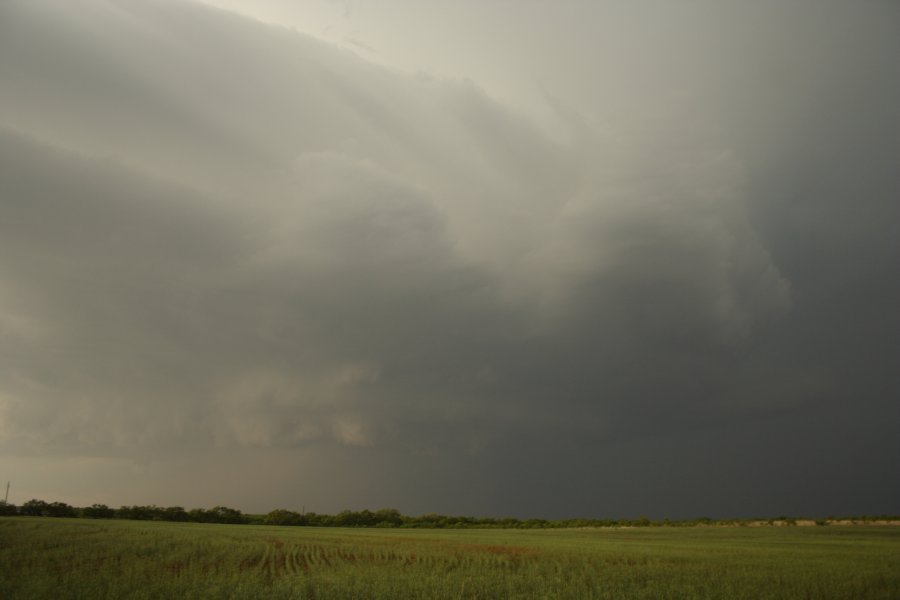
<point>571,259</point>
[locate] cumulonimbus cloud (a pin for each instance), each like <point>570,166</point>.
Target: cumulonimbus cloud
<point>214,217</point>
<point>223,242</point>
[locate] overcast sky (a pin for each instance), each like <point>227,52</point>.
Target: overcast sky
<point>534,259</point>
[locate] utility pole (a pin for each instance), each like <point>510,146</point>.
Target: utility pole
<point>7,494</point>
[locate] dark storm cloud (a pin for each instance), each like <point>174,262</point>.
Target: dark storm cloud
<point>231,252</point>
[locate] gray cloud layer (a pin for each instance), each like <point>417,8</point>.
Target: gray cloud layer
<point>241,266</point>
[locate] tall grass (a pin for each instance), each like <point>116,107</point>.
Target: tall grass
<point>63,558</point>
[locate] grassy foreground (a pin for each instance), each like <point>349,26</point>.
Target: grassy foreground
<point>78,558</point>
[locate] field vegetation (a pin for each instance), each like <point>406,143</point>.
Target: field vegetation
<point>44,557</point>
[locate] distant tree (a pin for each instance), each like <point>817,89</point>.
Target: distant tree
<point>317,520</point>
<point>174,513</point>
<point>199,515</point>
<point>97,511</point>
<point>223,514</point>
<point>139,513</point>
<point>388,517</point>
<point>345,518</point>
<point>366,518</point>
<point>284,517</point>
<point>61,509</point>
<point>34,508</point>
<point>7,509</point>
<point>429,520</point>
<point>39,508</point>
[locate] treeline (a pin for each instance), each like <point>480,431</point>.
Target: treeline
<point>385,517</point>
<point>39,508</point>
<point>389,517</point>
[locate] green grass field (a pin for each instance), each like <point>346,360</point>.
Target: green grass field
<point>82,558</point>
